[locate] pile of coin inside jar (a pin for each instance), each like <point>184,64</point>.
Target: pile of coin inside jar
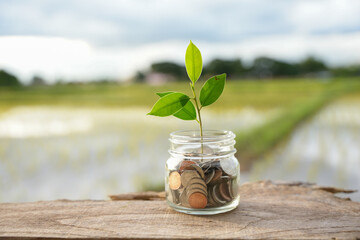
<point>203,185</point>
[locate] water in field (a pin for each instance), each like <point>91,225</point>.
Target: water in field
<point>51,153</point>
<point>324,150</point>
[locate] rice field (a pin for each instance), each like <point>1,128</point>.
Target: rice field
<point>323,150</point>
<point>51,153</point>
<point>80,142</point>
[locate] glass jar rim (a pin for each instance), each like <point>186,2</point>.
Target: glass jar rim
<point>208,136</point>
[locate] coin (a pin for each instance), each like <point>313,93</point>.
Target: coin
<point>209,176</point>
<point>175,196</point>
<point>184,199</point>
<point>187,175</point>
<point>174,180</point>
<point>197,181</point>
<point>215,195</point>
<point>211,202</point>
<point>205,167</point>
<point>197,200</point>
<point>199,170</point>
<point>197,185</point>
<point>224,191</point>
<point>186,164</point>
<point>228,166</point>
<point>216,177</point>
<point>195,189</point>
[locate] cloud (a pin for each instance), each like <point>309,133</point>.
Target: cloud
<point>85,39</point>
<point>76,59</point>
<point>325,16</point>
<point>121,22</point>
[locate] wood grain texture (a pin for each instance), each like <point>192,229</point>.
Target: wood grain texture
<point>266,211</point>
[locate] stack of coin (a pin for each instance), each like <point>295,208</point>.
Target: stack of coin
<point>195,190</point>
<point>208,184</point>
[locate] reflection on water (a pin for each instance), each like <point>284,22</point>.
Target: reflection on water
<point>51,153</point>
<point>325,150</point>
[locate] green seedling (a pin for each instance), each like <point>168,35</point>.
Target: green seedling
<point>181,105</point>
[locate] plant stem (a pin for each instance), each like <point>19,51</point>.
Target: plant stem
<point>198,112</point>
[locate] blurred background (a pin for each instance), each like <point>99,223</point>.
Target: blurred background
<point>78,77</point>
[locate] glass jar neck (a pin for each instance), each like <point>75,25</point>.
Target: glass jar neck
<point>213,144</point>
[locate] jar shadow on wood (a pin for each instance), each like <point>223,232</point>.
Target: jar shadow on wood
<point>202,174</point>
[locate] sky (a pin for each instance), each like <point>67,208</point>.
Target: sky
<point>82,40</point>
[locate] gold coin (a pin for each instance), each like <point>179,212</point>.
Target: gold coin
<point>196,186</point>
<point>199,170</point>
<point>174,180</point>
<point>186,165</point>
<point>197,181</point>
<point>197,200</point>
<point>195,190</point>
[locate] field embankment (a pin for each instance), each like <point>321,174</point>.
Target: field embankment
<point>256,142</point>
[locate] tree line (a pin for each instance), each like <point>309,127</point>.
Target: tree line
<point>260,68</point>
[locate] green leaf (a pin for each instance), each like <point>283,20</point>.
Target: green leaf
<point>193,62</point>
<point>212,89</point>
<point>188,112</point>
<point>161,94</point>
<point>169,104</point>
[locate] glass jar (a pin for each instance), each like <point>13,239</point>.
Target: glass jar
<point>202,174</point>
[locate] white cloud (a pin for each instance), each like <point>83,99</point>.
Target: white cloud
<point>76,59</point>
<point>55,58</point>
<point>324,16</point>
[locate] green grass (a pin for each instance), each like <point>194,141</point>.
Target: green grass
<point>237,94</point>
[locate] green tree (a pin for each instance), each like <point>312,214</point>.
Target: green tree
<point>233,68</point>
<point>346,71</point>
<point>312,65</point>
<point>170,68</point>
<point>7,79</point>
<point>265,67</point>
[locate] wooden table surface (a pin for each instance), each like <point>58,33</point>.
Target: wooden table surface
<point>266,211</point>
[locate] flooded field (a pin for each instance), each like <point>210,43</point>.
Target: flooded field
<point>51,153</point>
<point>324,150</point>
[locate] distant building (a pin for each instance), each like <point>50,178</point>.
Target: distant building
<point>159,78</point>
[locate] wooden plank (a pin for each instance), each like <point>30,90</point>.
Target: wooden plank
<point>267,210</point>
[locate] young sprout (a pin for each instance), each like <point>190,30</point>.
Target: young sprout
<point>179,104</point>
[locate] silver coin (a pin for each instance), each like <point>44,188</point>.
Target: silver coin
<point>187,175</point>
<point>228,166</point>
<point>215,195</point>
<point>209,176</point>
